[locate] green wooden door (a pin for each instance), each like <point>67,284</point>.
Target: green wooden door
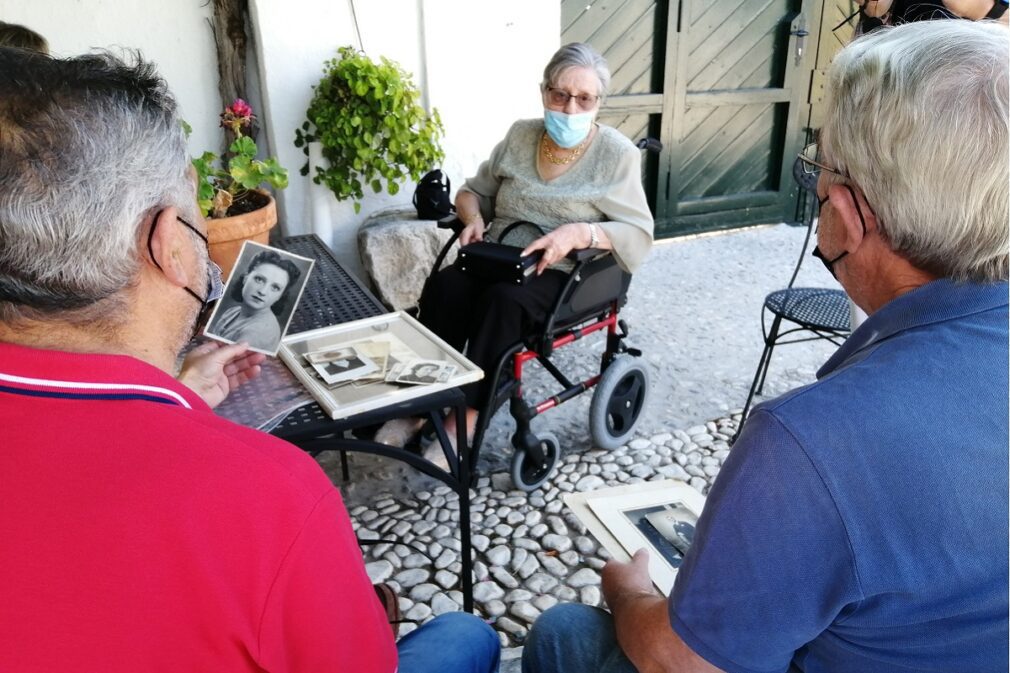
<point>631,36</point>
<point>836,28</point>
<point>722,84</point>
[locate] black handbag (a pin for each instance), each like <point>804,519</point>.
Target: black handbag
<point>497,263</point>
<point>431,196</point>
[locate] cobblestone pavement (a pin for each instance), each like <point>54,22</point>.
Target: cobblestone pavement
<point>530,551</point>
<point>694,311</point>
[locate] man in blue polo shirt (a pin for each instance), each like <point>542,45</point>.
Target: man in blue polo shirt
<point>860,523</point>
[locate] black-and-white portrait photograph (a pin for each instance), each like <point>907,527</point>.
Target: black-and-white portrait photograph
<point>260,297</point>
<point>422,372</point>
<point>669,528</point>
<point>341,364</point>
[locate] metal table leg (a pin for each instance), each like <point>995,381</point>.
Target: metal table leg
<point>463,491</point>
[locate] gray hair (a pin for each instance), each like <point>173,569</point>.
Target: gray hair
<point>90,148</point>
<point>577,55</point>
<point>917,117</point>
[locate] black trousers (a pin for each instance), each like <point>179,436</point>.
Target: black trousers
<point>486,318</point>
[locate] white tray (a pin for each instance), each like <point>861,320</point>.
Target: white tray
<point>350,399</point>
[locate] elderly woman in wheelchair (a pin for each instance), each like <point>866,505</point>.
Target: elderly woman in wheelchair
<point>579,181</point>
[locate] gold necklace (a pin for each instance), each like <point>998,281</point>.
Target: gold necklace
<point>561,161</point>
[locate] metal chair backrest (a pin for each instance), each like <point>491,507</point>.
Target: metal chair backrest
<point>809,209</point>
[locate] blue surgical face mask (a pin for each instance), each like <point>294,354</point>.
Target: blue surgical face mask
<point>568,130</point>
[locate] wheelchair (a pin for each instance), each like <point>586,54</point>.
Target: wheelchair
<point>593,293</point>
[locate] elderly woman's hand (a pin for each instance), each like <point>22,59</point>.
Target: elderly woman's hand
<point>557,244</point>
<point>472,233</point>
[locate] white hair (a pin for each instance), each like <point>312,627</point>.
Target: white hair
<point>90,148</point>
<point>577,55</point>
<point>917,118</point>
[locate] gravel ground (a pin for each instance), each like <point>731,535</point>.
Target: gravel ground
<point>694,311</point>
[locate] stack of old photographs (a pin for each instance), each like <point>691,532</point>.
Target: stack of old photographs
<point>381,359</point>
<point>366,364</point>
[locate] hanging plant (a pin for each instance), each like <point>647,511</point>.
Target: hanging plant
<point>371,127</point>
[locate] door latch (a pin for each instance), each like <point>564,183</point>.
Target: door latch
<point>800,33</point>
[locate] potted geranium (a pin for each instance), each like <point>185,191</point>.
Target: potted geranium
<point>231,195</point>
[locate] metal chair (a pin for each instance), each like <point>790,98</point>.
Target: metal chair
<point>822,313</point>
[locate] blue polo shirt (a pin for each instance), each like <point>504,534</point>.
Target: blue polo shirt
<point>859,524</point>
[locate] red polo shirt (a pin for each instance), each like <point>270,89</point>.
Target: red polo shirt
<point>140,532</point>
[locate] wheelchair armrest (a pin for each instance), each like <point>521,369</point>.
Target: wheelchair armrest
<point>451,222</point>
<point>585,254</point>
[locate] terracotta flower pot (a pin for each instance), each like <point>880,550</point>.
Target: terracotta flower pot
<point>225,235</point>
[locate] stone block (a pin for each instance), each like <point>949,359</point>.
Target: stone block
<point>397,251</point>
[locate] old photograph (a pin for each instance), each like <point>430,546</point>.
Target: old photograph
<point>341,364</point>
<point>659,516</point>
<point>421,372</point>
<point>669,528</point>
<point>260,298</point>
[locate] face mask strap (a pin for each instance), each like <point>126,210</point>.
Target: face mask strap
<point>830,263</point>
<point>150,252</point>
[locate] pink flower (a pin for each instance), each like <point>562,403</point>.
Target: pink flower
<point>240,108</point>
<point>238,118</point>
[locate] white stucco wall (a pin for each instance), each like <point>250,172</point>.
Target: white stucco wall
<point>174,35</point>
<point>478,61</point>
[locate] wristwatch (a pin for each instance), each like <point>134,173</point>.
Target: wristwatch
<point>998,9</point>
<point>594,238</point>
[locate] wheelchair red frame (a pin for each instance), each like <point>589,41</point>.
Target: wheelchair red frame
<point>588,303</point>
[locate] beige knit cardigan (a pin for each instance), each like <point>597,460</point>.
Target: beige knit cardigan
<point>604,186</point>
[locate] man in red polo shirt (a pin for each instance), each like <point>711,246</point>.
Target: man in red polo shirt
<point>139,531</point>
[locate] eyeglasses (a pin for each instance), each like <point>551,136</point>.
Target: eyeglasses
<point>560,98</point>
<point>810,158</point>
<point>215,284</point>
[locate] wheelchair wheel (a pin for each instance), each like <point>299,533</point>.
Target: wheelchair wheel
<point>527,473</point>
<point>617,402</point>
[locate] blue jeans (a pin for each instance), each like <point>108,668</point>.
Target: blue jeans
<point>573,638</point>
<point>456,642</point>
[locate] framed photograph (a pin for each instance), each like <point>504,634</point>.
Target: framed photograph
<point>260,297</point>
<point>396,345</point>
<point>660,516</point>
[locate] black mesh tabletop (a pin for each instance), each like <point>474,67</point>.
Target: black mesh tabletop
<point>812,307</point>
<point>332,295</point>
